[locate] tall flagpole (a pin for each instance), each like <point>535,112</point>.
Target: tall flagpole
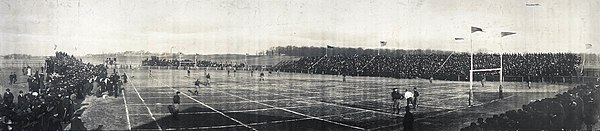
<point>471,71</point>
<point>501,68</point>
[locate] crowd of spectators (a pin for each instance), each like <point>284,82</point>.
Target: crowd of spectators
<point>199,63</point>
<point>456,66</point>
<point>576,109</point>
<point>50,101</point>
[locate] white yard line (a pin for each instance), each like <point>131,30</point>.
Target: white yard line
<point>126,111</point>
<point>215,110</point>
<point>297,113</point>
<point>263,123</point>
<point>319,102</point>
<point>233,102</point>
<point>144,102</point>
<point>235,111</point>
<point>447,112</point>
<point>287,110</point>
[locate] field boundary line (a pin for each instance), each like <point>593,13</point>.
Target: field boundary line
<point>146,105</point>
<point>235,120</point>
<point>126,111</point>
<point>263,123</point>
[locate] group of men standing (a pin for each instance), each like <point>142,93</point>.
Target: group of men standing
<point>411,99</point>
<point>111,84</point>
<point>12,78</point>
<point>410,96</point>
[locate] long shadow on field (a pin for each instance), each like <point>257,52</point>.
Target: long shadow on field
<point>270,120</point>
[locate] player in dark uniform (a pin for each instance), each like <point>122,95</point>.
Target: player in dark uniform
<point>188,72</point>
<point>482,81</point>
<point>208,79</point>
<point>262,77</point>
<point>175,107</point>
<point>416,95</point>
<point>197,85</point>
<point>396,97</point>
<point>124,78</point>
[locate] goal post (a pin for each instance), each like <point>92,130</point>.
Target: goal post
<point>471,72</point>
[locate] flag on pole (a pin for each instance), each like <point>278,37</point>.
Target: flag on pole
<point>588,46</point>
<point>383,43</point>
<point>459,39</point>
<point>502,34</point>
<point>328,46</point>
<point>475,29</point>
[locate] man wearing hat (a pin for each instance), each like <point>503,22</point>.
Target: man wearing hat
<point>21,100</point>
<point>8,98</point>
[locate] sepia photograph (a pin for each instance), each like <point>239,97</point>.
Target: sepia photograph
<point>300,65</point>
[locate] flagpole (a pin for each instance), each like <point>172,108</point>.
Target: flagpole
<point>471,71</point>
<point>501,67</point>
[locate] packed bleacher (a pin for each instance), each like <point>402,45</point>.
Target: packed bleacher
<point>456,66</point>
<point>576,109</point>
<point>50,102</point>
<point>156,61</point>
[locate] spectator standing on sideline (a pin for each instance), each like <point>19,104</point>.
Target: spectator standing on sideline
<point>21,100</point>
<point>8,98</point>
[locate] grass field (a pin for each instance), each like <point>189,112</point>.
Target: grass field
<point>297,102</point>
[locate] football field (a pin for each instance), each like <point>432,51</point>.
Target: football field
<point>292,101</point>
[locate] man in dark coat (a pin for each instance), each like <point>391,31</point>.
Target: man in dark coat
<point>21,100</point>
<point>8,98</point>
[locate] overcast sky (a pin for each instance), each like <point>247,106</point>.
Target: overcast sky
<point>240,26</point>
